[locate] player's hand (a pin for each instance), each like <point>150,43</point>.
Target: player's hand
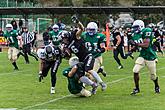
<point>74,19</point>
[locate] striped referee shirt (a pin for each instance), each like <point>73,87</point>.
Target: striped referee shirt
<point>27,37</point>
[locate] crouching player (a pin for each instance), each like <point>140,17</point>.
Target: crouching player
<point>76,77</point>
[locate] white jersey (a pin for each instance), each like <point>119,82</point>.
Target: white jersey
<point>41,53</point>
<point>55,55</point>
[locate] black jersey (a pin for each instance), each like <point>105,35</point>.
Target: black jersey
<point>77,46</point>
<point>114,35</point>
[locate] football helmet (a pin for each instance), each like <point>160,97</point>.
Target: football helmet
<point>9,27</point>
<point>73,61</point>
<point>55,28</point>
<point>137,26</point>
<point>92,28</point>
<point>49,52</point>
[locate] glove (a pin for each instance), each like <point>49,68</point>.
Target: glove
<point>74,19</point>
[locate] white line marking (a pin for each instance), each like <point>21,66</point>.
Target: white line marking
<point>60,98</point>
<point>1,74</point>
<point>50,101</point>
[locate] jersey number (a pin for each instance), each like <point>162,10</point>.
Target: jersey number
<point>74,49</point>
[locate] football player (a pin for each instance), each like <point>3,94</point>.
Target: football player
<point>54,35</point>
<point>50,58</point>
<point>76,77</point>
<point>12,37</point>
<point>95,43</point>
<point>76,45</point>
<point>147,55</point>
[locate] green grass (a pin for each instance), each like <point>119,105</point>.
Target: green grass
<point>21,89</point>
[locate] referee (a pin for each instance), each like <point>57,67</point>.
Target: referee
<point>27,39</point>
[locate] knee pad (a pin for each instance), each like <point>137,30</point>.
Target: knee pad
<point>136,68</point>
<point>153,76</point>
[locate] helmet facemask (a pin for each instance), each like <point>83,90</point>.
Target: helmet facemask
<point>92,28</point>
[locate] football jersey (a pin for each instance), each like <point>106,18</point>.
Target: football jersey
<point>114,34</point>
<point>148,53</point>
<point>54,36</point>
<point>12,38</point>
<point>55,55</point>
<point>74,86</point>
<point>92,43</point>
<point>77,46</point>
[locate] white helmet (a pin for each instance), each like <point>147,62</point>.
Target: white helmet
<point>73,61</point>
<point>138,25</point>
<point>92,28</point>
<point>55,27</point>
<point>9,27</point>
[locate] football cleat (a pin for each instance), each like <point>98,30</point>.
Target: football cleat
<point>52,90</point>
<point>40,77</point>
<point>94,88</point>
<point>157,90</point>
<point>120,67</point>
<point>103,86</point>
<point>16,69</point>
<point>101,70</point>
<point>135,91</point>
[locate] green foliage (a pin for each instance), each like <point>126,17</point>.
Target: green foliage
<point>149,3</point>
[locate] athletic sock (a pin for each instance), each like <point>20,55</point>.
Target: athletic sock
<point>86,80</point>
<point>15,65</point>
<point>96,76</point>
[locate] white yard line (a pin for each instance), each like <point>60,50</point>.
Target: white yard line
<point>14,72</point>
<point>63,97</point>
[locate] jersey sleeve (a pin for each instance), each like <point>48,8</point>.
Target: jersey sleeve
<point>102,38</point>
<point>40,53</point>
<point>66,71</point>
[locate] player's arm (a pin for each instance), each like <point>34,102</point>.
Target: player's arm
<point>145,43</point>
<point>73,71</point>
<point>80,26</point>
<point>118,41</point>
<point>41,64</point>
<point>80,30</point>
<point>20,41</point>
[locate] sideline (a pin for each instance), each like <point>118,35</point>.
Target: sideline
<point>60,98</point>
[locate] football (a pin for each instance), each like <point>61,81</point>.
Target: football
<point>67,53</point>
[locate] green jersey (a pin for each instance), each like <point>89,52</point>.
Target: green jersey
<point>12,38</point>
<point>92,43</point>
<point>147,53</point>
<point>54,36</point>
<point>74,86</point>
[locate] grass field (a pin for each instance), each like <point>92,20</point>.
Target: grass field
<point>21,89</point>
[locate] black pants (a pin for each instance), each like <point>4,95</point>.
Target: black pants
<point>54,67</point>
<point>116,52</point>
<point>27,51</point>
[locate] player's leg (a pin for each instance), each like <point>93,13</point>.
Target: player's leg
<point>30,53</point>
<point>87,81</point>
<point>98,66</point>
<point>152,70</point>
<point>54,69</point>
<point>14,57</point>
<point>89,63</point>
<point>139,64</point>
<point>85,93</point>
<point>25,54</point>
<point>115,55</point>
